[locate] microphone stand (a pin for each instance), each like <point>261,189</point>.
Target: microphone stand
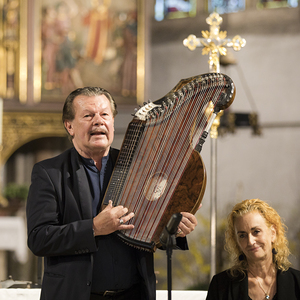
<point>170,245</point>
<point>168,240</point>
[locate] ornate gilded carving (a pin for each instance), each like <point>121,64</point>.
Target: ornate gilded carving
<point>22,127</point>
<point>215,125</point>
<point>9,44</point>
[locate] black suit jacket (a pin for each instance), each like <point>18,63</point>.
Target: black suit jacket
<point>59,224</point>
<point>225,287</point>
<point>59,221</point>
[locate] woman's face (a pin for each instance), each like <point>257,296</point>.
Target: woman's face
<point>254,237</point>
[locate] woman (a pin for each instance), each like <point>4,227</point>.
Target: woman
<point>255,236</point>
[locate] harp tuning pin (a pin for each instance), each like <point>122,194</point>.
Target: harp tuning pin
<point>156,112</point>
<point>135,111</point>
<point>170,102</point>
<point>164,105</point>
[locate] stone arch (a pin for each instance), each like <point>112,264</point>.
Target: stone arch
<point>20,128</point>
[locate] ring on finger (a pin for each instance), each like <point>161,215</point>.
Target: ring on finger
<point>179,231</point>
<point>121,221</point>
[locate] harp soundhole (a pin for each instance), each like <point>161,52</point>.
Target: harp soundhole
<point>155,186</point>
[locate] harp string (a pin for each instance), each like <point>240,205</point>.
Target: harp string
<point>179,155</point>
<point>124,159</point>
<point>168,164</point>
<point>165,164</point>
<point>184,161</point>
<point>171,165</point>
<point>145,146</point>
<point>160,148</point>
<point>137,166</point>
<point>170,132</point>
<point>156,149</point>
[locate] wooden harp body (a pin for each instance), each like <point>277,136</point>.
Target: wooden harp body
<point>159,170</point>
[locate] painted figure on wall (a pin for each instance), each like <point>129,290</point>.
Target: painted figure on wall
<point>130,57</point>
<point>98,22</point>
<point>59,57</point>
<point>89,43</point>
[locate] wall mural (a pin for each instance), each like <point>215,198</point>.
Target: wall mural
<point>89,43</point>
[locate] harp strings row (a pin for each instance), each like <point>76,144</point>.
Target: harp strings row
<point>165,148</point>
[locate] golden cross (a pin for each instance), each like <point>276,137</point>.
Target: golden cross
<point>214,42</point>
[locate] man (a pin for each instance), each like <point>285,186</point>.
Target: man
<point>83,258</point>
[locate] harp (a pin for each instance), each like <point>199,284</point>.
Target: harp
<point>159,170</point>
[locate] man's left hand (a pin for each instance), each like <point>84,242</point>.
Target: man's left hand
<point>187,224</point>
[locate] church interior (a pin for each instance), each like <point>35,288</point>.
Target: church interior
<point>135,49</point>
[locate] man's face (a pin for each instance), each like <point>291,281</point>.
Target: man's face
<point>93,126</point>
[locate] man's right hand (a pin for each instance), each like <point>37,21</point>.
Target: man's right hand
<point>108,220</point>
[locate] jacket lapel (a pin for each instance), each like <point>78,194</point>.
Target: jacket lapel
<point>239,288</point>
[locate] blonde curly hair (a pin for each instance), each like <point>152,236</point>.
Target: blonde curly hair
<point>271,216</point>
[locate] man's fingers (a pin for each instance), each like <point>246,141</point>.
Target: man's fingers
<point>119,216</point>
<point>187,224</point>
<point>124,219</point>
<point>189,218</point>
<point>108,206</point>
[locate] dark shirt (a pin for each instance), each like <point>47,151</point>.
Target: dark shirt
<point>115,263</point>
<point>96,179</point>
<point>274,298</point>
<point>224,286</point>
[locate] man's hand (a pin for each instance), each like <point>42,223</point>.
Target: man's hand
<point>111,219</point>
<point>187,224</point>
